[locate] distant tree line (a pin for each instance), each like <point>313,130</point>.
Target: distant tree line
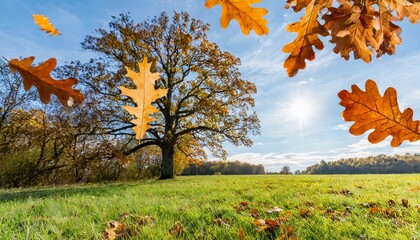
<point>380,164</point>
<point>223,167</point>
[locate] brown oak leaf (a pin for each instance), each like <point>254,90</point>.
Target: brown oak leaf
<point>45,25</point>
<point>388,34</point>
<point>143,96</point>
<point>352,30</point>
<point>249,18</point>
<point>308,29</point>
<point>40,78</point>
<point>114,229</point>
<point>370,110</point>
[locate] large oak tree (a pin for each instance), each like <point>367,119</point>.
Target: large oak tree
<point>207,101</point>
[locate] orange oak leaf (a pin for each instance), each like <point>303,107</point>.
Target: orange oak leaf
<point>40,78</point>
<point>388,35</point>
<point>308,29</point>
<point>45,25</point>
<point>249,18</point>
<point>370,110</point>
<point>143,96</point>
<point>352,29</point>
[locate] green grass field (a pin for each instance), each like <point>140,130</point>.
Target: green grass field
<point>219,207</point>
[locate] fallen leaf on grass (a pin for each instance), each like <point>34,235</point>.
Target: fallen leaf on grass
<point>115,229</point>
<point>176,229</point>
<point>288,233</point>
<point>391,203</point>
<point>241,207</point>
<point>254,213</point>
<point>274,210</point>
<point>415,189</point>
<point>145,220</point>
<point>222,222</point>
<point>303,212</point>
<point>404,202</point>
<point>241,234</point>
<point>343,191</point>
<point>336,215</point>
<point>398,222</point>
<point>268,224</point>
<point>386,212</point>
<point>369,204</point>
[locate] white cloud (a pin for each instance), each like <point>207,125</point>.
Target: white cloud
<point>343,127</point>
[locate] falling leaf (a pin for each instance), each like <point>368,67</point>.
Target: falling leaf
<point>40,78</point>
<point>369,110</point>
<point>45,25</point>
<point>143,96</point>
<point>249,18</point>
<point>308,29</point>
<point>176,229</point>
<point>404,202</point>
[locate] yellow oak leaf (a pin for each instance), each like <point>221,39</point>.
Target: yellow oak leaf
<point>45,25</point>
<point>143,96</point>
<point>40,78</point>
<point>249,18</point>
<point>308,29</point>
<point>370,110</point>
<point>403,8</point>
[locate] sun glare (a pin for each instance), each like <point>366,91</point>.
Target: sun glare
<point>302,110</point>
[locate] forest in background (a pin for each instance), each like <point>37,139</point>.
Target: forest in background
<point>380,164</point>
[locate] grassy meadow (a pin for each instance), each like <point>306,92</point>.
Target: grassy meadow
<point>219,207</point>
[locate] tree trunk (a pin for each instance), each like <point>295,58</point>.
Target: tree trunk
<point>167,169</point>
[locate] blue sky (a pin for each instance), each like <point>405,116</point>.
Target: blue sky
<point>300,117</point>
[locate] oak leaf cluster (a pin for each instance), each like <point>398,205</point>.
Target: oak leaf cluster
<point>360,27</point>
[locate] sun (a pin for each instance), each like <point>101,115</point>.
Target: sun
<point>302,110</point>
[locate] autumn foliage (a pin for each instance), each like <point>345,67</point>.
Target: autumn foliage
<point>369,110</point>
<point>361,27</point>
<point>45,25</point>
<point>143,96</point>
<point>40,78</point>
